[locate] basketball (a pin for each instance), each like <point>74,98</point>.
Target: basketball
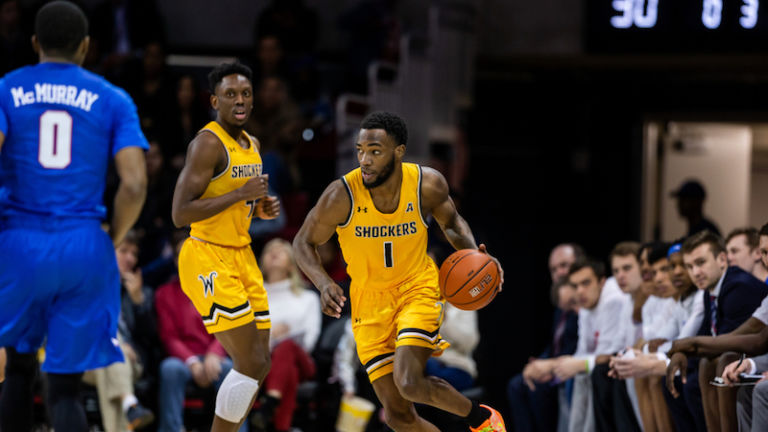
<point>469,279</point>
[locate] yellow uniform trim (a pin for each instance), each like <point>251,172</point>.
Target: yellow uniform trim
<point>230,226</point>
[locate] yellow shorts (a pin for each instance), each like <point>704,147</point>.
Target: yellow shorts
<point>225,285</point>
<point>383,320</point>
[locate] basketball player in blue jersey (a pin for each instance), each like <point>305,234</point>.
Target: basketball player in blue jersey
<point>379,212</point>
<point>59,283</point>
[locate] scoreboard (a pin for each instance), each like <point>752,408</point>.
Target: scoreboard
<point>676,26</point>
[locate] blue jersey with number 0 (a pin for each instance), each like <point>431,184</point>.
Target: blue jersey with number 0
<point>62,125</point>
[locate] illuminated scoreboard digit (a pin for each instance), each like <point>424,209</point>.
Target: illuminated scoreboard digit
<point>676,26</point>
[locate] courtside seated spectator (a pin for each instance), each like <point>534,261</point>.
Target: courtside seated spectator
<point>533,399</point>
<point>296,322</point>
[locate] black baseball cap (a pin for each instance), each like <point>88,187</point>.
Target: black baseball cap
<point>690,189</point>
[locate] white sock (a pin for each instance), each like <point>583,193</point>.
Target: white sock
<point>129,401</point>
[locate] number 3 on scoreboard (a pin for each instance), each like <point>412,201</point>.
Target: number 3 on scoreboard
<point>388,261</point>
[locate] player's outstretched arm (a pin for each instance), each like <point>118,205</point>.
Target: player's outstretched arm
<point>437,201</point>
<point>204,156</point>
<point>331,209</point>
<point>131,168</point>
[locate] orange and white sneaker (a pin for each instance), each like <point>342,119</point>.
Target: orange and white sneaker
<point>494,423</point>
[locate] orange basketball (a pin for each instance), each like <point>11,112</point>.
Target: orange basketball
<point>469,279</point>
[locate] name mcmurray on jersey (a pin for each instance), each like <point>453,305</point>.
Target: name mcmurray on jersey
<point>398,230</point>
<point>249,170</point>
<point>54,94</point>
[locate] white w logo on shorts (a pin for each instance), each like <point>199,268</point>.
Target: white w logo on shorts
<point>207,283</point>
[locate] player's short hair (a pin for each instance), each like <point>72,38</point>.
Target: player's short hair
<point>646,247</point>
<point>219,72</point>
<point>625,248</point>
<point>597,267</point>
<point>752,237</point>
<point>392,124</point>
<point>60,27</point>
<point>714,241</point>
<point>658,251</point>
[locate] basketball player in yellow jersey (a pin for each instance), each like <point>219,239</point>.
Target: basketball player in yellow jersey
<point>379,212</point>
<point>218,192</point>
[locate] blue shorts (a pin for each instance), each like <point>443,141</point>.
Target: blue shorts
<point>59,286</point>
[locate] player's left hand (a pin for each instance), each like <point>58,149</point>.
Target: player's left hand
<point>269,207</point>
<point>483,249</point>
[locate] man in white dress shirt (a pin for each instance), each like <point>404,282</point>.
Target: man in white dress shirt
<point>681,319</point>
<point>732,296</point>
<point>600,301</point>
<point>616,403</point>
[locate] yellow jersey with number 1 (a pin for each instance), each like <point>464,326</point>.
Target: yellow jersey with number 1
<point>230,226</point>
<point>385,250</point>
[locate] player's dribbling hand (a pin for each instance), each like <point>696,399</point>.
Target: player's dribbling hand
<point>483,249</point>
<point>332,300</point>
<point>269,207</point>
<point>255,188</point>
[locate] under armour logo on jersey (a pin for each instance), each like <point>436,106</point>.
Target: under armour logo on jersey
<point>231,149</point>
<point>358,320</point>
<point>362,209</point>
<point>409,208</point>
<point>207,283</point>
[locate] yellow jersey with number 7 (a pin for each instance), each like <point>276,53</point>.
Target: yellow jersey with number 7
<point>230,226</point>
<point>385,250</point>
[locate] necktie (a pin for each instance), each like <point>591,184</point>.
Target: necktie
<point>713,314</point>
<point>558,336</point>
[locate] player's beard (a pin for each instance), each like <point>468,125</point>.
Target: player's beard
<point>383,175</point>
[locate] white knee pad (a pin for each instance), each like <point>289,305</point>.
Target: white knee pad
<point>234,397</point>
